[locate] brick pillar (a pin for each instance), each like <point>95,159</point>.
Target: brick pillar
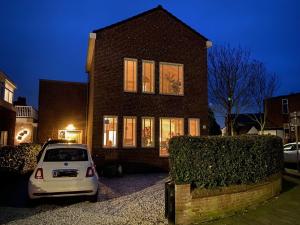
<point>182,203</point>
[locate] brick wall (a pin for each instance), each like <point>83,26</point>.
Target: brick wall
<point>61,103</point>
<point>191,207</point>
<point>8,120</point>
<point>154,36</point>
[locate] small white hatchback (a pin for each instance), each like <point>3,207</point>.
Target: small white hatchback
<point>64,170</point>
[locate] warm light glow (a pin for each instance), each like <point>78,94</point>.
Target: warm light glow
<point>70,127</point>
<point>22,134</point>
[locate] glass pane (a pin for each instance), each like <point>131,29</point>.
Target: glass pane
<point>148,77</point>
<point>194,127</point>
<point>169,128</point>
<point>65,154</point>
<point>171,79</point>
<point>147,132</point>
<point>129,132</point>
<point>110,132</point>
<point>130,75</point>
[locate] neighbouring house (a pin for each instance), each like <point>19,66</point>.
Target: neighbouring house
<point>62,111</point>
<point>7,110</point>
<point>26,122</point>
<point>278,111</point>
<point>147,82</point>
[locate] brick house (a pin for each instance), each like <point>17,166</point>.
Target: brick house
<point>278,115</point>
<point>7,110</point>
<point>147,82</point>
<point>62,110</point>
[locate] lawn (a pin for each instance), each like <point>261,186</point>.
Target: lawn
<point>281,210</point>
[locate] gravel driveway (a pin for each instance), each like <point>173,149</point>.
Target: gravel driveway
<point>132,199</point>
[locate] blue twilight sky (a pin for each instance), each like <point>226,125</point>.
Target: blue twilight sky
<point>48,39</point>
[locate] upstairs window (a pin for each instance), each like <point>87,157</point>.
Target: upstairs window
<point>171,79</point>
<point>110,129</point>
<point>148,76</point>
<point>194,127</point>
<point>2,88</point>
<point>129,131</point>
<point>285,106</point>
<point>8,93</point>
<point>130,75</point>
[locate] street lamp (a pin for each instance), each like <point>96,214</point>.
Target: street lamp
<point>295,121</point>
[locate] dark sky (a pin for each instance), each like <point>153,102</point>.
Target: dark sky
<point>48,39</point>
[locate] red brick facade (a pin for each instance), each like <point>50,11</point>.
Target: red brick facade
<point>158,36</point>
<point>60,104</point>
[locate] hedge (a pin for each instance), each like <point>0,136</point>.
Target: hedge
<point>222,161</point>
<point>19,159</point>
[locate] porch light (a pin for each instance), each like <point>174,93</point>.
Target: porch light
<point>70,127</point>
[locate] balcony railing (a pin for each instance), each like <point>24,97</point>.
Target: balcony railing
<point>26,112</point>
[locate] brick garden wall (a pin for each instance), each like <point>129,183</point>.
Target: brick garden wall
<point>202,205</point>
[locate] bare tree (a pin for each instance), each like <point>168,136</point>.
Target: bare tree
<point>229,79</point>
<point>263,86</point>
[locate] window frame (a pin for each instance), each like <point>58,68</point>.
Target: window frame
<point>199,127</point>
<point>287,105</point>
<point>153,77</point>
<point>123,130</point>
<point>153,128</point>
<point>160,78</point>
<point>136,75</point>
<point>103,125</point>
<point>160,129</point>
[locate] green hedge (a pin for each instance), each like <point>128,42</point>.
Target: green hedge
<point>221,161</point>
<point>19,159</point>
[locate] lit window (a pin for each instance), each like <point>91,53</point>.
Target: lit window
<point>148,77</point>
<point>169,127</point>
<point>194,129</point>
<point>3,138</point>
<point>130,75</point>
<point>110,126</point>
<point>8,93</point>
<point>171,79</point>
<point>285,106</point>
<point>129,132</point>
<point>147,132</point>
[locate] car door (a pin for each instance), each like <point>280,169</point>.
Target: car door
<point>290,154</point>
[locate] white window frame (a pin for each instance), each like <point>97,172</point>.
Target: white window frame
<point>136,75</point>
<point>153,127</point>
<point>153,77</point>
<point>160,78</point>
<point>123,141</point>
<point>103,129</point>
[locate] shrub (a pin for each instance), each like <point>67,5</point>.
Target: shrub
<point>221,161</point>
<point>19,159</point>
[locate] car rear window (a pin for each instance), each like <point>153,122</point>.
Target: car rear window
<point>65,154</point>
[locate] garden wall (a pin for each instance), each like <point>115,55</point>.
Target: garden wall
<point>200,205</point>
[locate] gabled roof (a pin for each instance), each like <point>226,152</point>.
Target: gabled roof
<point>284,96</point>
<point>5,77</point>
<point>158,8</point>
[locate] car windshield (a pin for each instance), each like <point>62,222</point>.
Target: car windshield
<point>66,154</point>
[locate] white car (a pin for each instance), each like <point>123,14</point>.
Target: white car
<point>64,170</point>
<point>290,152</point>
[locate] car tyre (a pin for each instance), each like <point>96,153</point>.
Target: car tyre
<point>93,198</point>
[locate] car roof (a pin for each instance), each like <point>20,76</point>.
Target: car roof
<point>292,143</point>
<point>66,145</point>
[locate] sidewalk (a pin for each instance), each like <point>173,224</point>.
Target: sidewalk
<point>282,210</point>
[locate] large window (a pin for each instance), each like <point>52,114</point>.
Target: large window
<point>148,77</point>
<point>3,138</point>
<point>171,79</point>
<point>110,130</point>
<point>169,127</point>
<point>147,132</point>
<point>285,106</point>
<point>194,127</point>
<point>129,132</point>
<point>130,75</point>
